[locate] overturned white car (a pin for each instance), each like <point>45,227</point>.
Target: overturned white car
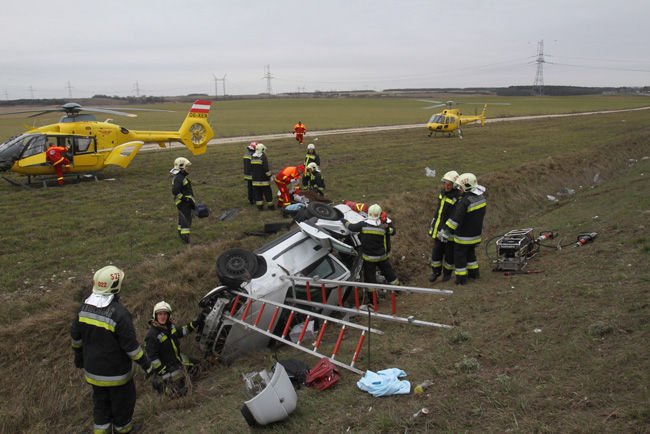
<point>307,274</point>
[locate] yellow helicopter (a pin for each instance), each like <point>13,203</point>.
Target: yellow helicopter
<point>451,119</point>
<point>91,145</point>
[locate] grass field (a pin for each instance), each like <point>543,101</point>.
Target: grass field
<point>586,370</point>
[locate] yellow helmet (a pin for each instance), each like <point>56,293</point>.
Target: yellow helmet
<point>374,212</point>
<point>161,306</point>
<point>467,182</point>
<point>181,163</point>
<point>108,280</point>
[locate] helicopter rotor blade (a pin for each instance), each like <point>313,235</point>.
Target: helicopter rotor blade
<point>109,111</point>
<point>143,109</point>
<point>38,112</point>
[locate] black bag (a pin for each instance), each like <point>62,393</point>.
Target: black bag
<point>201,210</point>
<point>297,371</point>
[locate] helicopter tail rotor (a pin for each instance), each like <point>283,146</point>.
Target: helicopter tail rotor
<point>196,132</point>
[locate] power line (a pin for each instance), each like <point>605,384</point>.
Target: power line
<point>538,86</point>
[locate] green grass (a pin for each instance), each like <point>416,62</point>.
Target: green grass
<point>585,371</point>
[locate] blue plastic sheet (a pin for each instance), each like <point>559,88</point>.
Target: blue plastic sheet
<point>384,383</point>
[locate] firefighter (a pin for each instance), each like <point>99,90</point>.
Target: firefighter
<point>286,181</point>
<point>250,149</point>
<point>375,245</point>
<point>442,254</point>
<point>465,226</point>
<point>312,156</point>
<point>163,348</point>
<point>261,178</point>
<point>57,157</point>
<point>313,180</point>
<point>300,130</point>
<point>183,197</point>
<point>105,346</point>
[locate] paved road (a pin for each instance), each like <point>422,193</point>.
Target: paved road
<point>315,134</point>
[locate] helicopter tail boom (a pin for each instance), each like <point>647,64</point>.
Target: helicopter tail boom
<point>483,115</point>
<point>196,132</point>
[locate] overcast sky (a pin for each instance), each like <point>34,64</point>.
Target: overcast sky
<point>165,47</point>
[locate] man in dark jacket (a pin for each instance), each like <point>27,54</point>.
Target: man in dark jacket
<point>261,178</point>
<point>442,254</point>
<point>375,245</point>
<point>313,180</point>
<point>105,346</point>
<point>164,350</point>
<point>183,197</point>
<point>466,226</point>
<point>250,149</point>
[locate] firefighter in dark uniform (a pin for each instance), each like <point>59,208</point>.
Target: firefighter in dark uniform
<point>375,245</point>
<point>250,149</point>
<point>312,180</point>
<point>261,178</point>
<point>105,346</point>
<point>442,254</point>
<point>163,348</point>
<point>183,197</point>
<point>312,156</point>
<point>465,226</point>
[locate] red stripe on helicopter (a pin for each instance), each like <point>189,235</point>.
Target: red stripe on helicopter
<point>200,106</point>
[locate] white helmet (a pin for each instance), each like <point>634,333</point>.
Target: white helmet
<point>450,176</point>
<point>312,167</point>
<point>374,212</point>
<point>108,280</point>
<point>260,148</point>
<point>161,306</point>
<point>311,147</point>
<point>467,182</point>
<point>181,163</point>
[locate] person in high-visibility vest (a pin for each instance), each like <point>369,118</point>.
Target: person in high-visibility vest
<point>261,174</point>
<point>183,197</point>
<point>56,156</point>
<point>105,347</point>
<point>286,181</point>
<point>313,180</point>
<point>465,225</point>
<point>312,156</point>
<point>300,130</point>
<point>442,254</point>
<point>248,177</point>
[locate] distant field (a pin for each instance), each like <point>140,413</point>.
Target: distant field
<point>264,116</point>
<point>585,370</point>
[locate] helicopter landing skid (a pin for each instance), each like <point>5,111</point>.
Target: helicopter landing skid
<point>17,184</point>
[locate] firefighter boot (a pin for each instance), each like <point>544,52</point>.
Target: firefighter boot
<point>474,273</point>
<point>446,276</point>
<point>434,275</point>
<point>461,280</point>
<point>185,238</point>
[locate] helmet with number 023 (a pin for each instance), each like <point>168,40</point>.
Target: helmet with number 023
<point>108,280</point>
<point>181,163</point>
<point>374,212</point>
<point>467,182</point>
<point>161,306</point>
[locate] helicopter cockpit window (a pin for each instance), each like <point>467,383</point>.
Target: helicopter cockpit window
<point>84,144</point>
<point>34,145</point>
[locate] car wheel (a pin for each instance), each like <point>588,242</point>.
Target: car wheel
<point>236,266</point>
<point>323,211</point>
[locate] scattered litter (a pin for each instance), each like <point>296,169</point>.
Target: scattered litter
<point>644,158</point>
<point>323,375</point>
<point>421,412</point>
<point>419,389</point>
<point>429,172</point>
<point>595,217</point>
<point>596,178</point>
<point>384,383</point>
<point>566,192</point>
<point>537,330</point>
<point>274,400</point>
<point>551,198</point>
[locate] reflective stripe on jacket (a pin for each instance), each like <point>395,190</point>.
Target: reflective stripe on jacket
<point>375,239</point>
<point>466,223</point>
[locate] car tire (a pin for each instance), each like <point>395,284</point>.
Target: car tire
<point>236,266</point>
<point>324,211</point>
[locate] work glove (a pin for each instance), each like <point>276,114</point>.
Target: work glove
<point>443,235</point>
<point>78,359</point>
<point>199,320</point>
